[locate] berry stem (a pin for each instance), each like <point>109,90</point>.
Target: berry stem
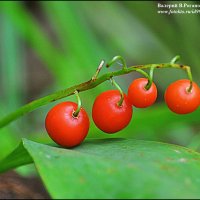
<point>120,90</point>
<point>115,59</point>
<point>175,59</point>
<point>189,73</point>
<point>143,73</point>
<point>76,112</point>
<point>150,80</point>
<point>93,82</point>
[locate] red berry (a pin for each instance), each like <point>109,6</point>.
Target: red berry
<point>65,129</point>
<point>140,97</point>
<point>179,99</point>
<point>108,115</point>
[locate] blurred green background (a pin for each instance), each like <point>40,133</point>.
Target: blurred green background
<point>48,46</point>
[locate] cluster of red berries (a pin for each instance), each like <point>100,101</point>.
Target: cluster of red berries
<point>111,115</point>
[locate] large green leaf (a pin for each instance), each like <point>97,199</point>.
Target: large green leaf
<point>113,168</point>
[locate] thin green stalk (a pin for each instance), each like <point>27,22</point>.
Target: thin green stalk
<point>189,73</point>
<point>175,59</point>
<point>120,90</point>
<point>76,112</point>
<point>82,87</point>
<point>115,59</point>
<point>150,80</point>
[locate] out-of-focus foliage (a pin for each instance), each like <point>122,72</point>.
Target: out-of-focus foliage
<point>69,39</point>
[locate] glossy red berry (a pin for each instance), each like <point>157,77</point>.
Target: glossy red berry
<point>108,115</point>
<point>65,129</point>
<point>179,99</point>
<point>140,97</point>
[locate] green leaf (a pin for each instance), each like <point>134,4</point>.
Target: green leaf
<point>17,158</point>
<point>113,168</point>
<point>9,137</point>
